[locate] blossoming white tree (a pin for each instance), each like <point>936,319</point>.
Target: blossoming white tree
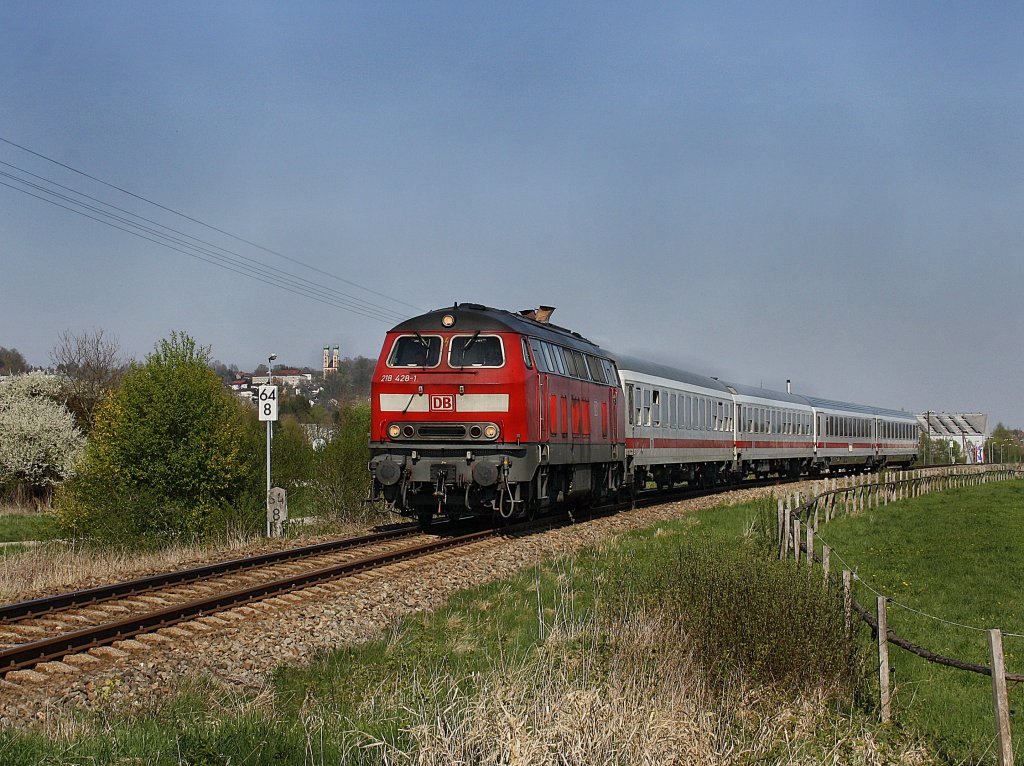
<point>38,436</point>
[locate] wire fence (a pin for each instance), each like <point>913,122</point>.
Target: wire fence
<point>798,525</point>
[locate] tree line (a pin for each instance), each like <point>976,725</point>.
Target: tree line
<point>143,452</point>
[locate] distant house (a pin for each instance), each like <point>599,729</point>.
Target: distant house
<point>291,378</point>
<point>243,387</point>
<point>968,429</point>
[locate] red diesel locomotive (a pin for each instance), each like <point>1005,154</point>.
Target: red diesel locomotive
<point>477,410</point>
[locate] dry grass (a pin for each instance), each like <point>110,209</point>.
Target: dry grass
<point>640,699</point>
<point>10,508</point>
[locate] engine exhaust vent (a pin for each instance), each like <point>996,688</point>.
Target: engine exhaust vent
<point>541,314</point>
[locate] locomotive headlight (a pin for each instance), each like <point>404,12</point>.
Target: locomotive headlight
<point>490,432</point>
<point>448,320</point>
<point>394,430</point>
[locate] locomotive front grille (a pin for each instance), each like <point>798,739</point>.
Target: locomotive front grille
<point>443,431</point>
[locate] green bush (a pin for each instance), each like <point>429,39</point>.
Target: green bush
<point>171,455</point>
<point>342,480</point>
<point>293,463</point>
<point>745,613</point>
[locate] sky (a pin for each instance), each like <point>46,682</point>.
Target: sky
<point>824,192</point>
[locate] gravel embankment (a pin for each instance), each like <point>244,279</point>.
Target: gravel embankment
<point>238,648</point>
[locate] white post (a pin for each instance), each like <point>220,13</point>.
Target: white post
<point>269,424</point>
<point>883,661</point>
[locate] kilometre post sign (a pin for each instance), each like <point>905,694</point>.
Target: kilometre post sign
<point>268,402</point>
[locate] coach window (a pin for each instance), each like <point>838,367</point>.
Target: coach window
<point>416,351</point>
<point>647,407</point>
<point>629,402</point>
<point>656,407</point>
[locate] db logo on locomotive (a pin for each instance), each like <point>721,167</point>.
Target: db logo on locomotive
<point>442,403</point>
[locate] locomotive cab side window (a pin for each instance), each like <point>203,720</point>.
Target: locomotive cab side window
<point>476,351</point>
<point>596,370</point>
<point>539,356</point>
<point>415,351</point>
<point>526,354</point>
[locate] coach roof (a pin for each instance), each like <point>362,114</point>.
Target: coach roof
<point>470,317</point>
<point>629,364</point>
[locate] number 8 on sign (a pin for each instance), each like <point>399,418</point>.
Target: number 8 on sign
<point>268,402</point>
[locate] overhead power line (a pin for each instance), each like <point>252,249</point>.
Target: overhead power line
<point>373,307</point>
<point>183,239</point>
<point>198,255</point>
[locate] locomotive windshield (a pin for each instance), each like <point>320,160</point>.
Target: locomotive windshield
<point>476,351</point>
<point>416,351</point>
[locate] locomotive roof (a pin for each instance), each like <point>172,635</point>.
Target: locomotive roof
<point>470,317</point>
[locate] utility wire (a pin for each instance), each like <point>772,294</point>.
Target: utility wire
<point>304,294</point>
<point>906,607</point>
<point>206,225</point>
<point>210,249</point>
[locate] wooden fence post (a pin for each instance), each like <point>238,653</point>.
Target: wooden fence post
<point>883,662</point>
<point>810,547</point>
<point>796,541</point>
<point>848,600</point>
<point>780,539</point>
<point>826,554</point>
<point>788,533</point>
<point>1004,744</point>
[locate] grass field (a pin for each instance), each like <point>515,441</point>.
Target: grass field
<point>957,555</point>
<point>15,527</point>
<point>683,643</point>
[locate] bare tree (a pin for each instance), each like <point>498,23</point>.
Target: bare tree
<point>92,365</point>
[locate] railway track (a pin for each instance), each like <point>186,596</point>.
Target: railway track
<point>117,618</point>
<point>49,628</point>
<point>52,628</point>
